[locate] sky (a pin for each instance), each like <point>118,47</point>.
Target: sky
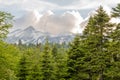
<point>53,16</point>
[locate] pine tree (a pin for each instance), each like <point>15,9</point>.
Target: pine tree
<point>60,62</point>
<point>75,60</point>
<point>114,47</point>
<point>96,35</point>
<point>35,72</point>
<point>47,65</point>
<point>22,68</point>
<point>61,71</point>
<point>54,51</point>
<point>35,69</point>
<point>20,42</point>
<point>116,11</point>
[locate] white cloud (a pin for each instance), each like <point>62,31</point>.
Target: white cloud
<point>50,22</point>
<point>30,18</point>
<point>60,24</point>
<point>115,20</point>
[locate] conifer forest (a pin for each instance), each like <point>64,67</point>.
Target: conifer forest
<point>92,55</point>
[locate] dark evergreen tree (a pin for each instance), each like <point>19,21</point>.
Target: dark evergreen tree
<point>22,68</point>
<point>114,48</point>
<point>75,61</point>
<point>97,34</point>
<point>116,11</point>
<point>61,66</point>
<point>54,51</point>
<point>47,64</point>
<point>35,72</point>
<point>19,42</point>
<point>35,69</point>
<point>60,62</point>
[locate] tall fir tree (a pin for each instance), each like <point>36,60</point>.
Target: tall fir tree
<point>35,72</point>
<point>114,47</point>
<point>54,51</point>
<point>60,62</point>
<point>75,60</point>
<point>36,67</point>
<point>96,35</point>
<point>116,11</point>
<point>22,68</point>
<point>47,64</point>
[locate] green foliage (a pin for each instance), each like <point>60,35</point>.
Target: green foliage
<point>75,60</point>
<point>28,68</point>
<point>94,55</point>
<point>114,48</point>
<point>97,35</point>
<point>60,62</point>
<point>22,69</point>
<point>116,11</point>
<point>5,23</point>
<point>47,64</point>
<point>9,56</point>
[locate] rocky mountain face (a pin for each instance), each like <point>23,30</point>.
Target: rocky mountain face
<point>31,35</point>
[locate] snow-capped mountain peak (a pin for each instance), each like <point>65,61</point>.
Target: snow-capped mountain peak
<point>29,29</point>
<point>31,35</point>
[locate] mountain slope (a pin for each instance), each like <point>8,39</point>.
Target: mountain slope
<point>30,35</point>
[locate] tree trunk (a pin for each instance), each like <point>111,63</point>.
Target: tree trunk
<point>100,76</point>
<point>90,76</point>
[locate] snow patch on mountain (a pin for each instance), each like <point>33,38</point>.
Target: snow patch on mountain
<point>31,35</point>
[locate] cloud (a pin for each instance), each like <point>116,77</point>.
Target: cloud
<point>81,4</point>
<point>31,12</point>
<point>51,22</point>
<point>60,24</point>
<point>115,20</point>
<point>42,5</point>
<point>29,5</point>
<point>30,18</point>
<point>18,7</point>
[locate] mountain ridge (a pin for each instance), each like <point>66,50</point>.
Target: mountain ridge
<point>31,35</point>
